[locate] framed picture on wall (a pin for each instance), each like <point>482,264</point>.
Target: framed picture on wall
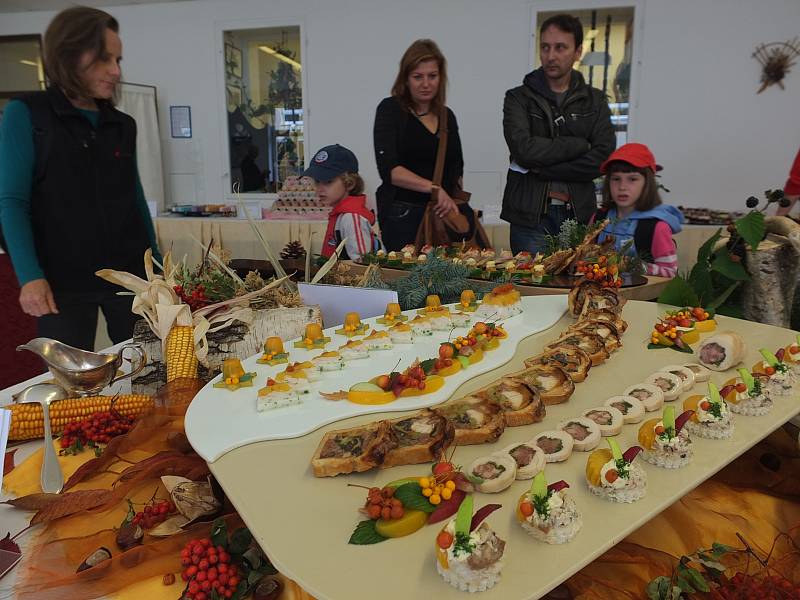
<point>233,96</point>
<point>233,61</point>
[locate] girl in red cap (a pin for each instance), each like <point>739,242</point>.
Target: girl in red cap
<point>632,204</point>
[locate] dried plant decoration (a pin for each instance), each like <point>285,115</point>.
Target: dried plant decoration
<point>776,59</point>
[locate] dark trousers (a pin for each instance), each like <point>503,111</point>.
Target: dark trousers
<point>399,222</point>
<point>534,239</point>
<point>76,321</point>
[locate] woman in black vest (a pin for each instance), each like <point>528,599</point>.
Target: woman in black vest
<point>406,139</point>
<point>70,197</point>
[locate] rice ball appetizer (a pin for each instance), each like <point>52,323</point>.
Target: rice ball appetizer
<point>685,373</point>
<point>608,419</point>
<point>556,445</point>
<point>548,513</point>
<point>612,475</point>
<point>492,474</point>
<point>584,431</point>
<point>711,418</point>
<point>780,378</point>
<point>701,374</point>
<point>468,553</point>
<point>529,457</point>
<point>630,407</point>
<point>440,320</point>
<point>670,384</point>
<point>665,442</point>
<point>460,319</point>
<point>651,396</point>
<point>747,397</point>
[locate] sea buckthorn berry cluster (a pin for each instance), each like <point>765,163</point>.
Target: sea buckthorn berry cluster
<point>381,504</point>
<point>435,491</point>
<point>196,298</point>
<point>207,568</point>
<point>603,272</point>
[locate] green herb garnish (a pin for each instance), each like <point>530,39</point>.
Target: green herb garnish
<point>623,468</point>
<point>463,544</point>
<point>541,506</point>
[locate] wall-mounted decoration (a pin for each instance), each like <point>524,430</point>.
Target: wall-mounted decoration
<point>233,61</point>
<point>776,60</point>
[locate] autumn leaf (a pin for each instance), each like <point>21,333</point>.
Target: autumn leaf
<point>96,465</point>
<point>167,462</point>
<point>8,461</point>
<point>32,501</point>
<point>73,502</point>
<point>9,545</point>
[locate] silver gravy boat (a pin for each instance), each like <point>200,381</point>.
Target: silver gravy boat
<point>81,372</point>
<point>77,372</point>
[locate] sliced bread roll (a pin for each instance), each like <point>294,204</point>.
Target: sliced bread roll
<point>631,407</point>
<point>476,420</point>
<point>353,450</point>
<point>421,437</point>
<point>701,374</point>
<point>570,358</point>
<point>551,382</point>
<point>605,329</point>
<point>519,404</point>
<point>585,433</point>
<point>608,419</point>
<point>722,351</point>
<point>590,343</point>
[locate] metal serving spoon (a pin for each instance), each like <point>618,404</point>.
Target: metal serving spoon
<point>52,479</point>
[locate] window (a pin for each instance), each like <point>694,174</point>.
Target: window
<point>607,57</point>
<point>21,66</point>
<point>264,98</point>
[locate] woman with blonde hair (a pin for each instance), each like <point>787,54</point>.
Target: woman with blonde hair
<point>406,135</point>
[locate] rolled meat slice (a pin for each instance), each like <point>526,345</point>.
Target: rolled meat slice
<point>670,384</point>
<point>529,457</point>
<point>701,374</point>
<point>608,419</point>
<point>722,351</point>
<point>585,433</point>
<point>631,408</point>
<point>648,394</point>
<point>685,373</point>
<point>497,472</point>
<point>556,444</point>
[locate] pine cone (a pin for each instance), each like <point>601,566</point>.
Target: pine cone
<point>293,250</point>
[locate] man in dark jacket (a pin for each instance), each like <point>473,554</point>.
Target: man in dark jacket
<point>558,130</point>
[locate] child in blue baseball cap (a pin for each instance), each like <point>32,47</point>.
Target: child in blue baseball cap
<point>335,169</point>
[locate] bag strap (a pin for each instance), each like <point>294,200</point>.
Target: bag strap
<point>438,169</point>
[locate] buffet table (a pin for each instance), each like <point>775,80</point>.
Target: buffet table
<point>236,235</point>
<point>648,291</point>
<point>303,522</point>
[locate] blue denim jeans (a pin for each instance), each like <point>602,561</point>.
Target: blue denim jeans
<point>533,239</point>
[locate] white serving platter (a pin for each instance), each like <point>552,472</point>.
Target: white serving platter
<point>219,420</point>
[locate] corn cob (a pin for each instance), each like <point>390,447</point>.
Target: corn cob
<point>27,423</point>
<point>181,359</point>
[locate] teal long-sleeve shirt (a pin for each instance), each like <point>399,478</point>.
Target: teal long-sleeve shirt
<point>16,180</point>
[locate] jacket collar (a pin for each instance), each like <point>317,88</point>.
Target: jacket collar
<point>537,81</point>
<point>63,107</point>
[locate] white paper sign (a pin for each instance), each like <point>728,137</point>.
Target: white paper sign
<point>337,300</point>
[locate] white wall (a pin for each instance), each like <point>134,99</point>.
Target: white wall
<point>696,107</point>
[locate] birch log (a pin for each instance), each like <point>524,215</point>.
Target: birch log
<point>773,268</point>
<point>236,341</point>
